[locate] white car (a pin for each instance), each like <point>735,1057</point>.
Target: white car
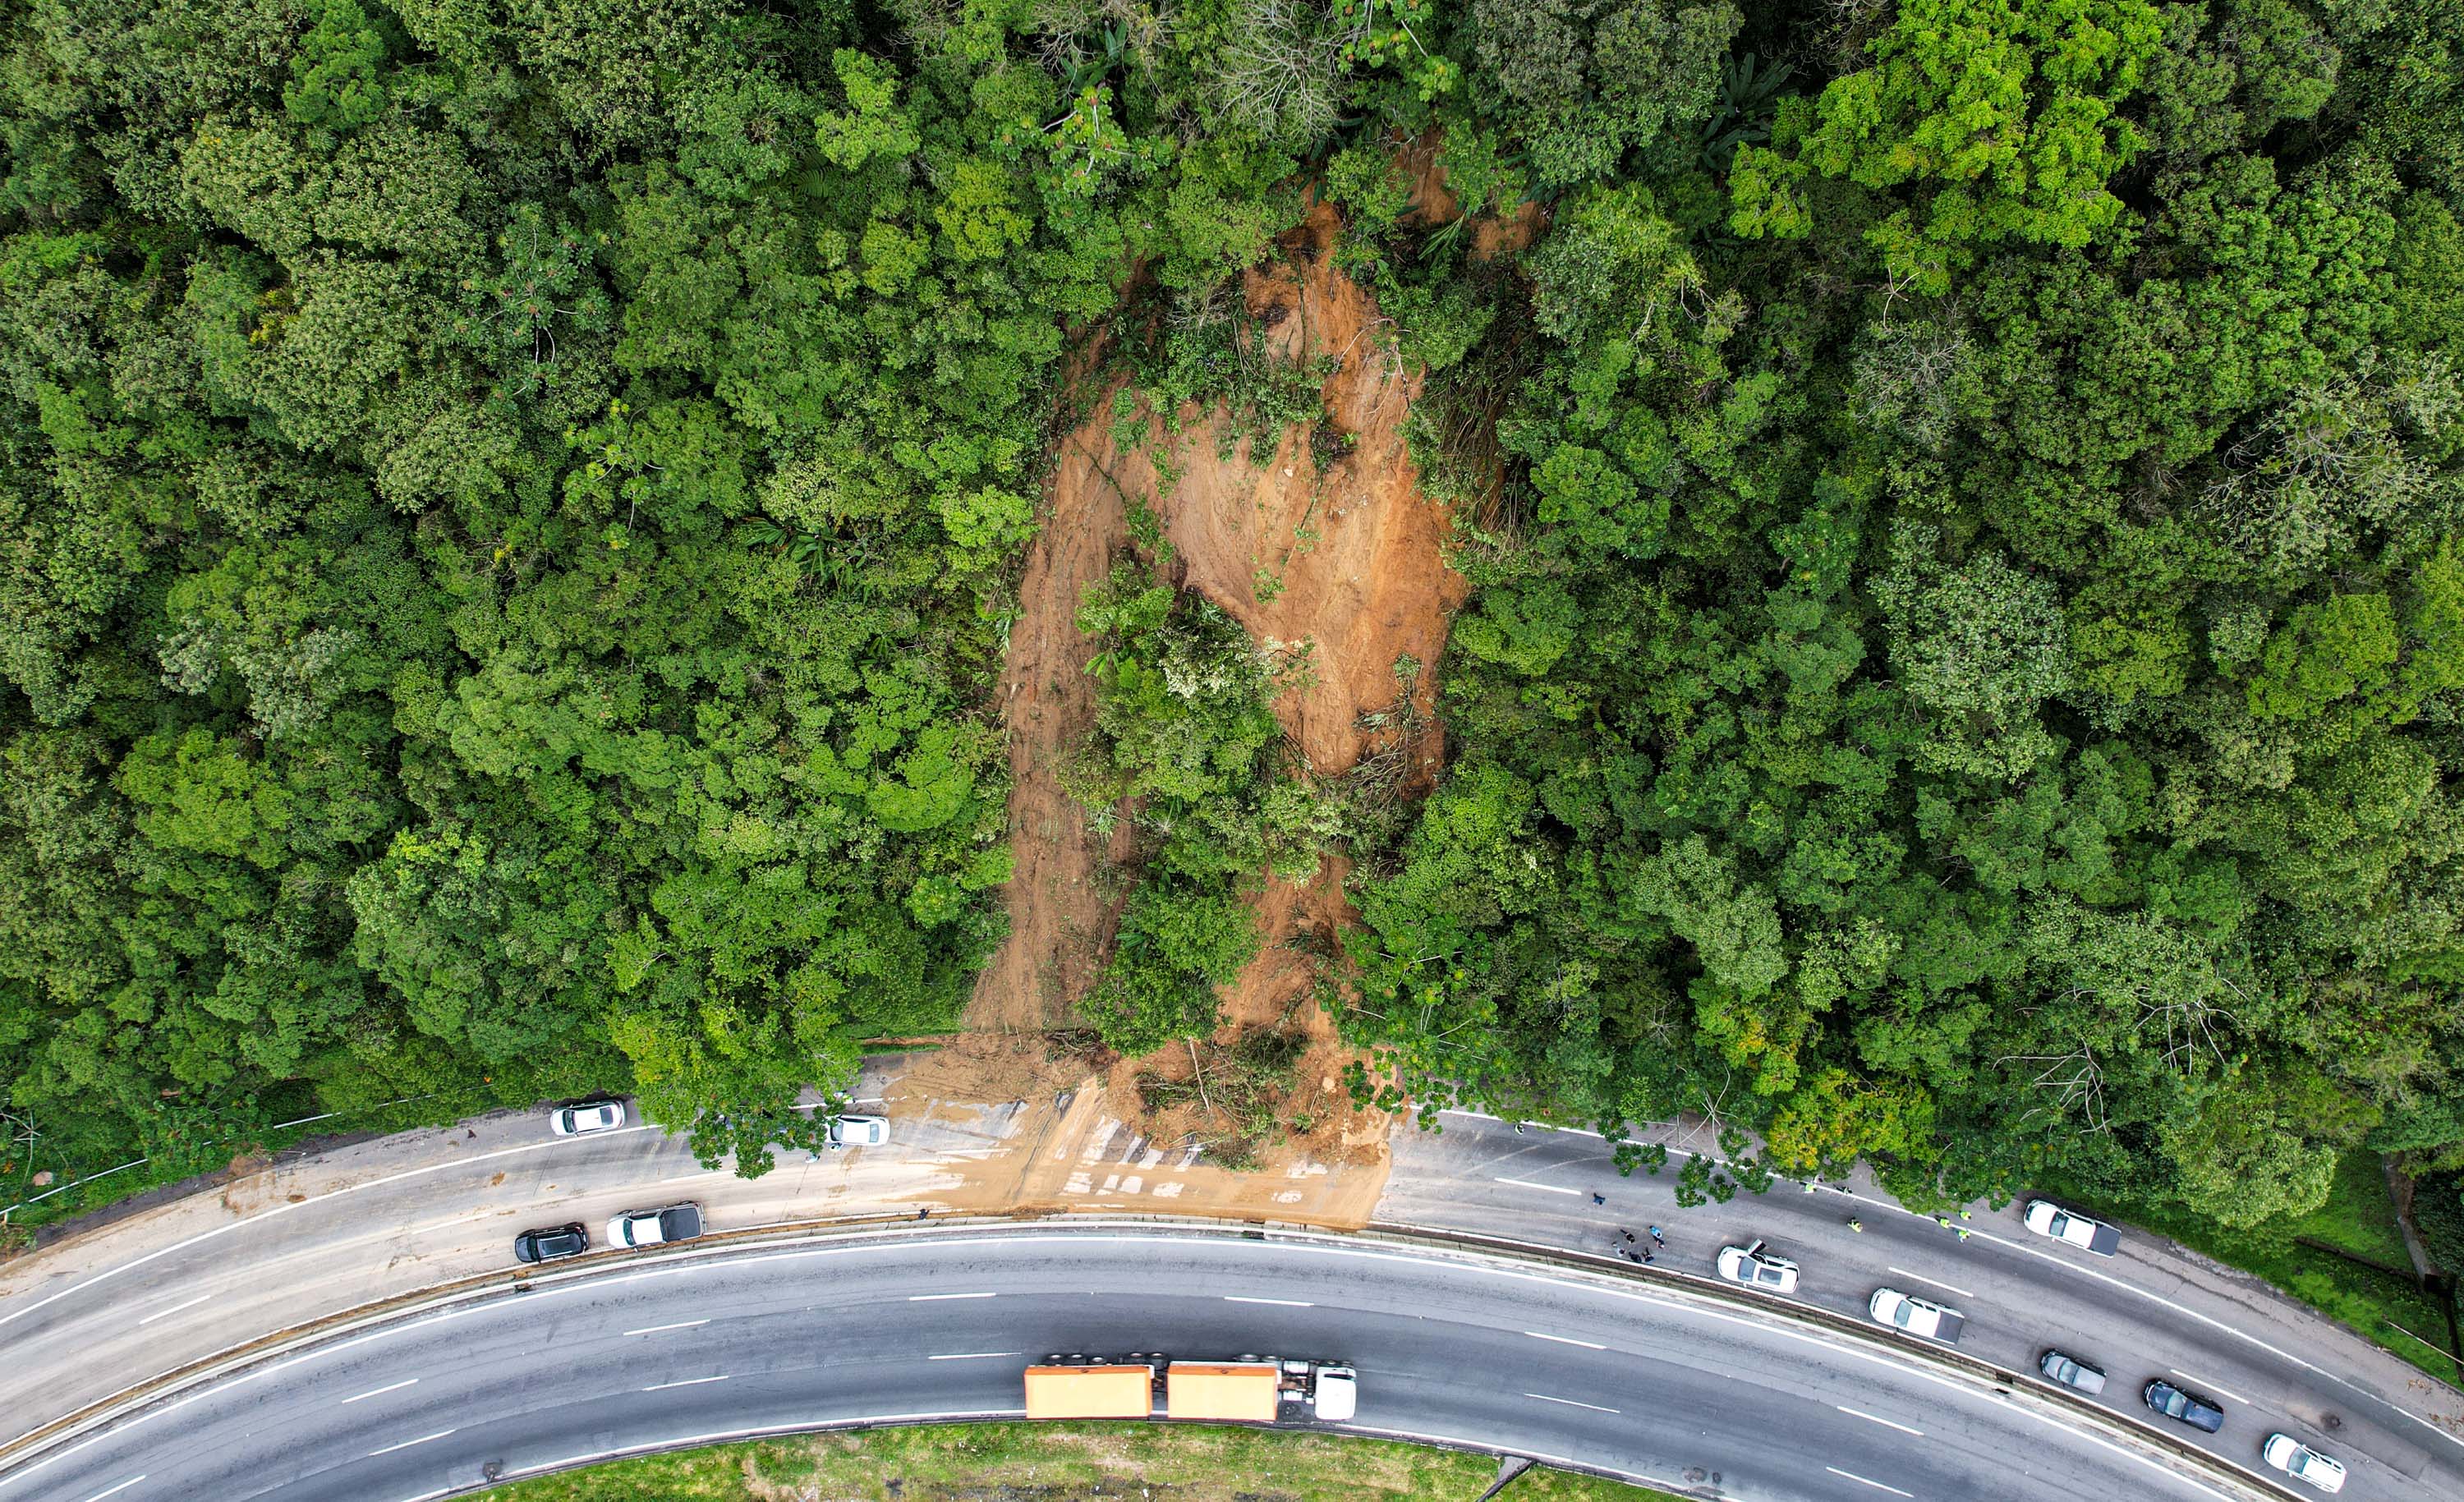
<point>1756,1268</point>
<point>590,1116</point>
<point>1920,1316</point>
<point>859,1131</point>
<point>2300,1461</point>
<point>2046,1218</point>
<point>651,1227</point>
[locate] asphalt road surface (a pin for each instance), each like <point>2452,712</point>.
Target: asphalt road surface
<point>2153,1310</point>
<point>1595,1370</point>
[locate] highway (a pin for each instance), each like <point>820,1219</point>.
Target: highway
<point>1589,1369</point>
<point>2154,1310</point>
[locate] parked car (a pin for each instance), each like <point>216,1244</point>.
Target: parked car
<point>2300,1462</point>
<point>2071,1372</point>
<point>2189,1407</point>
<point>2046,1218</point>
<point>585,1118</point>
<point>552,1243</point>
<point>859,1131</point>
<point>1916,1316</point>
<point>651,1227</point>
<point>1756,1268</point>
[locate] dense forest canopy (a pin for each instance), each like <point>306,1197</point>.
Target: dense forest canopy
<point>508,513</point>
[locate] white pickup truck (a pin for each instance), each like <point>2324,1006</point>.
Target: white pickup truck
<point>1916,1316</point>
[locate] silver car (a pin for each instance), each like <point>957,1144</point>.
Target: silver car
<point>590,1116</point>
<point>654,1228</point>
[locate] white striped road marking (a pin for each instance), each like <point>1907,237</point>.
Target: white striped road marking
<point>165,1314</point>
<point>1289,1303</point>
<point>681,1324</point>
<point>114,1491</point>
<point>1588,1345</point>
<point>407,1444</point>
<point>974,1356</point>
<point>1868,1481</point>
<point>2204,1382</point>
<point>1876,1418</point>
<point>935,1299</point>
<point>1568,1403</point>
<point>1551,1188</point>
<point>690,1381</point>
<point>388,1387</point>
<point>1935,1281</point>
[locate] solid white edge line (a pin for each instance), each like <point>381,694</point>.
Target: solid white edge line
<point>2204,1382</point>
<point>1551,1189</point>
<point>1489,1265</point>
<point>114,1491</point>
<point>1288,1303</point>
<point>286,1208</point>
<point>935,1299</point>
<point>1588,1345</point>
<point>1935,1281</point>
<point>165,1314</point>
<point>1568,1403</point>
<point>1876,1418</point>
<point>974,1356</point>
<point>722,1436</point>
<point>681,1324</point>
<point>1868,1481</point>
<point>407,1444</point>
<point>386,1388</point>
<point>690,1381</point>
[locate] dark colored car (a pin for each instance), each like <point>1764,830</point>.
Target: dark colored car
<point>2071,1372</point>
<point>556,1241</point>
<point>2190,1408</point>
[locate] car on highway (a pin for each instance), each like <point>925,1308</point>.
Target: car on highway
<point>587,1116</point>
<point>2071,1372</point>
<point>549,1244</point>
<point>2300,1462</point>
<point>2189,1407</point>
<point>859,1131</point>
<point>1916,1316</point>
<point>1756,1268</point>
<point>651,1227</point>
<point>2046,1218</point>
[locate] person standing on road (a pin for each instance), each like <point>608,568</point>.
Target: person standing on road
<point>1854,1224</point>
<point>1657,1238</point>
<point>1597,1198</point>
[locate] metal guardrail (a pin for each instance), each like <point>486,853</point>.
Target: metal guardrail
<point>2014,1389</point>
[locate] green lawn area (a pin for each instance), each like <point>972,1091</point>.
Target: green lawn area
<point>1044,1463</point>
<point>2357,1217</point>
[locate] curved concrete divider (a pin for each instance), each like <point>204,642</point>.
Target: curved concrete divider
<point>2022,1394</point>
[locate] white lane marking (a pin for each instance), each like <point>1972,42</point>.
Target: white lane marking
<point>1588,1345</point>
<point>407,1444</point>
<point>1868,1481</point>
<point>166,1314</point>
<point>374,1392</point>
<point>114,1491</point>
<point>1935,1281</point>
<point>1289,1303</point>
<point>2204,1382</point>
<point>690,1381</point>
<point>1482,1116</point>
<point>681,1324</point>
<point>134,1263</point>
<point>1526,1184</point>
<point>1568,1403</point>
<point>1876,1418</point>
<point>974,1356</point>
<point>722,1436</point>
<point>935,1299</point>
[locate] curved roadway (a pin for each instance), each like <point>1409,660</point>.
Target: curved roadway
<point>1587,1369</point>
